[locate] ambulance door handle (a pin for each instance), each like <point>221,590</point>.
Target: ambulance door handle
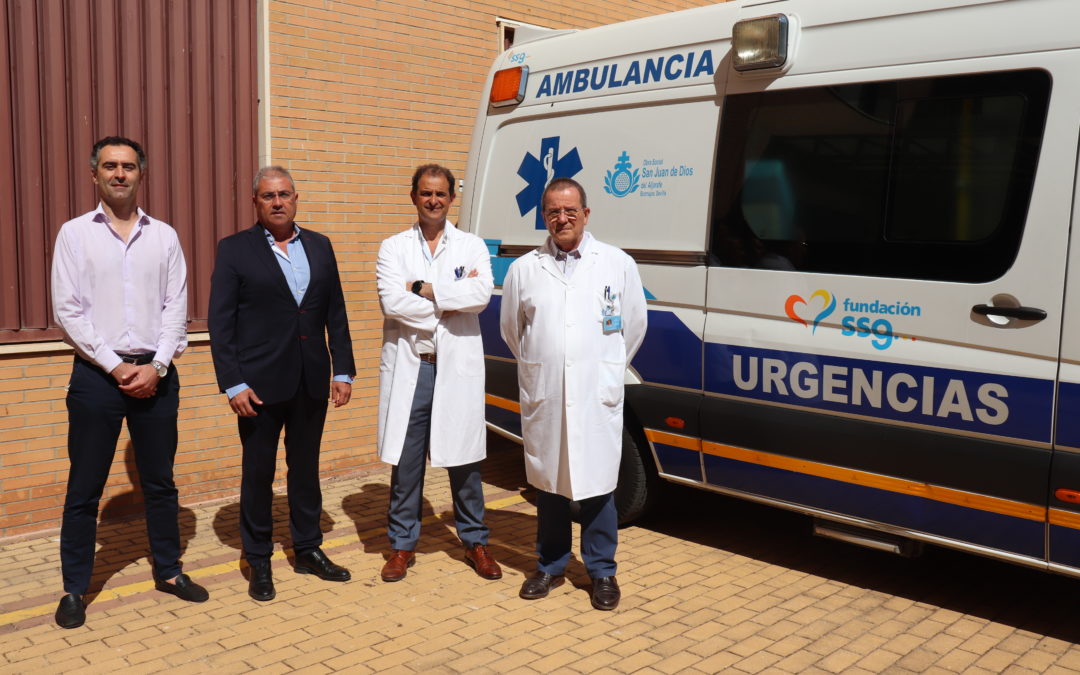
<point>1024,313</point>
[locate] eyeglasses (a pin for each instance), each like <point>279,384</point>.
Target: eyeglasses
<point>268,197</point>
<point>553,214</point>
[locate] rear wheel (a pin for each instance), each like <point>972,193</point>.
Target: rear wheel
<point>638,481</point>
<point>638,485</point>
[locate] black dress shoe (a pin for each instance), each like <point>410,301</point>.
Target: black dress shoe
<point>315,562</point>
<point>605,593</point>
<point>71,612</point>
<point>261,585</point>
<point>183,588</point>
<point>538,585</point>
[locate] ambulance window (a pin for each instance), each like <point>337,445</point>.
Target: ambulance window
<point>926,179</point>
<point>954,159</point>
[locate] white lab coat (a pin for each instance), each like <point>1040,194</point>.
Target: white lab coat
<point>458,434</point>
<point>570,372</point>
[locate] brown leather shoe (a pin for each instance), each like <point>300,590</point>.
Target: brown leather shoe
<point>397,565</point>
<point>481,561</point>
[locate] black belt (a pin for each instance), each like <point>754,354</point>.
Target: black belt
<point>430,358</point>
<point>136,359</point>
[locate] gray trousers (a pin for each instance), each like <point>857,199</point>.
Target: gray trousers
<point>407,479</point>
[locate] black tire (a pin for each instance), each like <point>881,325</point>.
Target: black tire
<point>638,482</point>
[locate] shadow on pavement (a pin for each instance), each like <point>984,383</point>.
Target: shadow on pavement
<point>504,467</point>
<point>227,525</point>
<point>512,534</point>
<point>121,532</point>
<point>1021,597</point>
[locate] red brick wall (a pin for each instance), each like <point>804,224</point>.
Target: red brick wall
<point>360,93</point>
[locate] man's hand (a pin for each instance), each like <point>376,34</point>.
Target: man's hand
<point>340,393</point>
<point>243,404</point>
<point>451,312</point>
<point>141,382</point>
<point>123,373</point>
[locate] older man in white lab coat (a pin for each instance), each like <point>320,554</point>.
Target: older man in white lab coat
<point>573,313</point>
<point>433,281</point>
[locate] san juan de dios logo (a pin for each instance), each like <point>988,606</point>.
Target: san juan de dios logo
<point>539,171</point>
<point>623,178</point>
<point>861,319</point>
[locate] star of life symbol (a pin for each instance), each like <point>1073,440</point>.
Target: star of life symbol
<point>539,171</point>
<point>621,181</point>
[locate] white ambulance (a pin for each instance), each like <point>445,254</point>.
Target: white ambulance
<point>853,220</point>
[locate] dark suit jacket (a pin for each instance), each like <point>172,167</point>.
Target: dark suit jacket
<point>258,335</point>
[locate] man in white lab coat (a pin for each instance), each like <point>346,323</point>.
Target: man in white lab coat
<point>433,281</point>
<point>573,313</point>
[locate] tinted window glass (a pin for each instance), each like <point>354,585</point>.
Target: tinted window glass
<point>927,178</point>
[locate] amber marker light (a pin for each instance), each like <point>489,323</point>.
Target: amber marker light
<point>675,422</point>
<point>508,86</point>
<point>1065,495</point>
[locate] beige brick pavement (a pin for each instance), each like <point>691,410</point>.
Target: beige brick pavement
<point>710,585</point>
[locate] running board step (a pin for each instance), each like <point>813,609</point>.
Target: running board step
<point>861,536</point>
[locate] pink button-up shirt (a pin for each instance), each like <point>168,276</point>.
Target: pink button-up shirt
<point>114,296</point>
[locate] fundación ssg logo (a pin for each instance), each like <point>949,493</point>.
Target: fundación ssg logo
<point>862,318</point>
<point>539,171</point>
<point>624,179</point>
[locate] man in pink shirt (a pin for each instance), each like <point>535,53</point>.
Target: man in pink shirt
<point>119,292</point>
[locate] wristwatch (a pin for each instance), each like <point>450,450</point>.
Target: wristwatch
<point>416,286</point>
<point>161,368</point>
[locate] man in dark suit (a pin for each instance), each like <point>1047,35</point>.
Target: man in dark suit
<point>275,298</point>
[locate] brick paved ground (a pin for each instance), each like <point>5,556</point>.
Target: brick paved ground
<point>710,585</point>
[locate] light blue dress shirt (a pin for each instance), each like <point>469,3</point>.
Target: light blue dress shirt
<point>294,264</point>
<point>297,270</point>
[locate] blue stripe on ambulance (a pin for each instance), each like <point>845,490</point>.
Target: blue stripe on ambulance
<point>1002,405</point>
<point>1065,545</point>
<point>1068,418</point>
<point>504,419</point>
<point>676,461</point>
<point>489,330</point>
<point>985,528</point>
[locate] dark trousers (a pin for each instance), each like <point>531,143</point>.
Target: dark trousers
<point>599,533</point>
<point>96,410</point>
<point>407,479</point>
<point>303,418</point>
